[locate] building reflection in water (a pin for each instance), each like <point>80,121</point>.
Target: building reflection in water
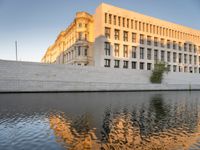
<point>158,125</point>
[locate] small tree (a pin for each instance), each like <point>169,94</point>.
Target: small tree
<point>157,73</point>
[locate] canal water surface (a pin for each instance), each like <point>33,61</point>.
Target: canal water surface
<point>105,121</point>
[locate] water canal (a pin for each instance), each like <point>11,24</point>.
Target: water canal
<point>105,120</point>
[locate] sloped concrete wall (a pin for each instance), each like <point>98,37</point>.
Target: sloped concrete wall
<point>28,76</point>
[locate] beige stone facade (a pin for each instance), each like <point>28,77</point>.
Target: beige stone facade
<point>119,38</point>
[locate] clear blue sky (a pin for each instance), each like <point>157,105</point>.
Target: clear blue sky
<point>35,24</point>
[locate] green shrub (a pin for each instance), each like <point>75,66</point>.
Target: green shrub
<point>157,73</point>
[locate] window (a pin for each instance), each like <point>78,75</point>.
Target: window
<point>116,50</point>
<point>86,51</point>
<point>190,59</point>
<point>134,65</point>
<point>141,39</point>
<point>155,54</point>
<point>195,48</point>
<point>195,60</point>
<point>168,56</point>
<point>174,68</point>
<point>123,23</point>
<point>110,19</point>
<point>134,52</point>
<point>107,48</point>
<point>107,62</point>
<point>116,34</point>
<point>125,37</point>
<point>115,21</point>
<point>190,47</point>
<point>141,53</point>
<point>106,17</point>
<point>141,65</point>
<point>148,66</point>
<point>116,63</point>
<point>179,68</point>
<point>179,46</point>
<point>155,41</point>
<point>174,57</point>
<point>119,21</point>
<point>180,58</point>
<point>134,37</point>
<point>127,23</point>
<point>148,53</point>
<point>148,40</point>
<point>185,46</point>
<point>174,44</point>
<point>185,58</point>
<point>162,55</point>
<point>125,64</point>
<point>125,52</point>
<point>107,32</point>
<point>168,44</point>
<point>79,51</point>
<point>162,44</point>
<point>80,25</point>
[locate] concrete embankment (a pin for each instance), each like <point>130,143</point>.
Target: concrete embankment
<point>37,77</point>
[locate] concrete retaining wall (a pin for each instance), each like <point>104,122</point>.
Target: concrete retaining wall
<point>28,77</point>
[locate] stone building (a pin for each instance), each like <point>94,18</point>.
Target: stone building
<point>119,38</point>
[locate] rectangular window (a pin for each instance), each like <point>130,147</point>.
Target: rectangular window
<point>117,34</point>
<point>168,56</point>
<point>115,21</point>
<point>141,53</point>
<point>79,50</point>
<point>134,37</point>
<point>162,44</point>
<point>119,21</point>
<point>185,46</point>
<point>148,66</point>
<point>179,46</point>
<point>148,53</point>
<point>141,66</point>
<point>116,50</point>
<point>195,60</point>
<point>180,58</point>
<point>185,69</point>
<point>174,57</point>
<point>117,62</point>
<point>195,48</point>
<point>141,39</point>
<point>107,48</point>
<point>174,44</point>
<point>155,41</point>
<point>185,58</point>
<point>107,32</point>
<point>110,19</point>
<point>190,59</point>
<point>162,55</point>
<point>174,68</point>
<point>125,64</point>
<point>134,65</point>
<point>107,62</point>
<point>125,51</point>
<point>168,44</point>
<point>123,22</point>
<point>125,36</point>
<point>190,47</point>
<point>156,55</point>
<point>148,40</point>
<point>106,17</point>
<point>134,52</point>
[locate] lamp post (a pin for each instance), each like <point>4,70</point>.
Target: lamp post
<point>16,50</point>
